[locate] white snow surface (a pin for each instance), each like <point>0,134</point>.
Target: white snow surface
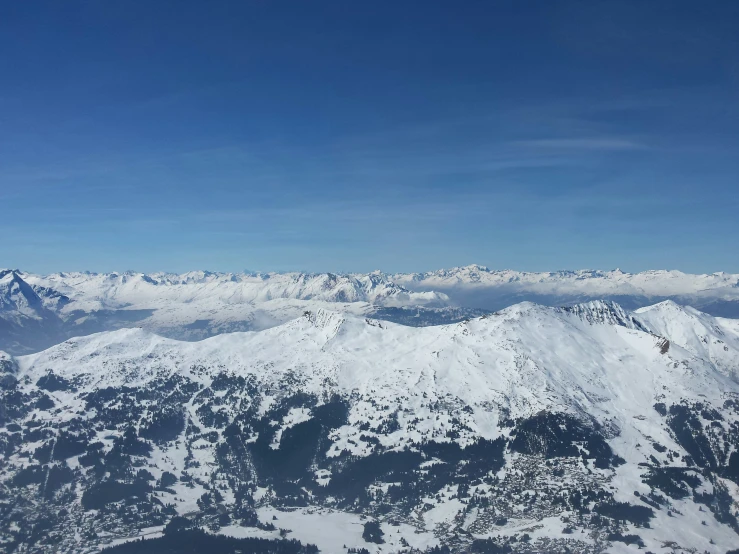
<point>711,338</point>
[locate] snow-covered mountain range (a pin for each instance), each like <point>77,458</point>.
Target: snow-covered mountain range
<point>532,429</point>
<point>39,311</point>
<point>481,287</point>
<point>96,291</point>
<point>190,306</point>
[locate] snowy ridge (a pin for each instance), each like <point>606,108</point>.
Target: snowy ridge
<point>704,336</point>
<point>528,358</point>
<point>604,312</point>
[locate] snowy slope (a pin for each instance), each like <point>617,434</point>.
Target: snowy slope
<point>711,338</point>
<point>532,420</point>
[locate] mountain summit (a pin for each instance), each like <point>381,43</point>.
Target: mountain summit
<point>27,323</point>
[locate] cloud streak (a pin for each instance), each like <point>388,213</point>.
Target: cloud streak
<point>601,143</point>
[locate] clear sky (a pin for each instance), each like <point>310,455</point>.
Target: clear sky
<point>351,136</point>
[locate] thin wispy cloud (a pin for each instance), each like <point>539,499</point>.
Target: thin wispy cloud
<point>605,144</point>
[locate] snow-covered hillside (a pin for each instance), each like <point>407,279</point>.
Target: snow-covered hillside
<point>531,429</point>
<point>704,336</point>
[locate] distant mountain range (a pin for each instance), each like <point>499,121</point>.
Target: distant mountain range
<point>587,428</point>
<point>480,287</point>
<point>39,311</point>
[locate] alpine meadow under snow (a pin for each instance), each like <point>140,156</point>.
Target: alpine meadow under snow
<point>584,428</point>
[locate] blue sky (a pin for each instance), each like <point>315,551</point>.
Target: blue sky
<point>351,136</point>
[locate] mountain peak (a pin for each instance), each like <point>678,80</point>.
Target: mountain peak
<point>17,295</point>
<point>664,305</point>
<point>475,267</point>
<point>327,320</point>
<point>7,275</point>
